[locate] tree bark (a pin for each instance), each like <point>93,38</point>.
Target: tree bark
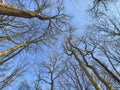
<point>91,78</point>
<point>12,11</point>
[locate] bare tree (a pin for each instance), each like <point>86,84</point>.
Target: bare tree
<point>82,56</point>
<point>100,7</point>
<point>50,71</point>
<point>7,79</point>
<point>41,28</point>
<point>26,25</point>
<point>75,78</point>
<point>105,34</point>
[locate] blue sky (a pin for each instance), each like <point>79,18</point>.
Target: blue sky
<point>78,9</point>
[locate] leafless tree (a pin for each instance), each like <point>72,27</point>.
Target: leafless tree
<point>75,78</point>
<point>95,58</point>
<point>50,72</point>
<point>100,7</point>
<point>105,34</point>
<point>6,79</point>
<point>84,53</point>
<point>26,25</point>
<point>23,27</point>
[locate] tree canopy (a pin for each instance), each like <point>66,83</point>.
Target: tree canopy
<point>88,62</point>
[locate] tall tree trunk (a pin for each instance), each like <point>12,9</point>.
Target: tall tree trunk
<point>91,78</point>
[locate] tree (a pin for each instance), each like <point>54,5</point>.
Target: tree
<point>82,56</point>
<point>102,44</point>
<point>49,72</point>
<point>92,62</point>
<point>75,78</point>
<point>27,25</point>
<point>7,79</point>
<point>32,31</point>
<point>108,34</point>
<point>100,6</point>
